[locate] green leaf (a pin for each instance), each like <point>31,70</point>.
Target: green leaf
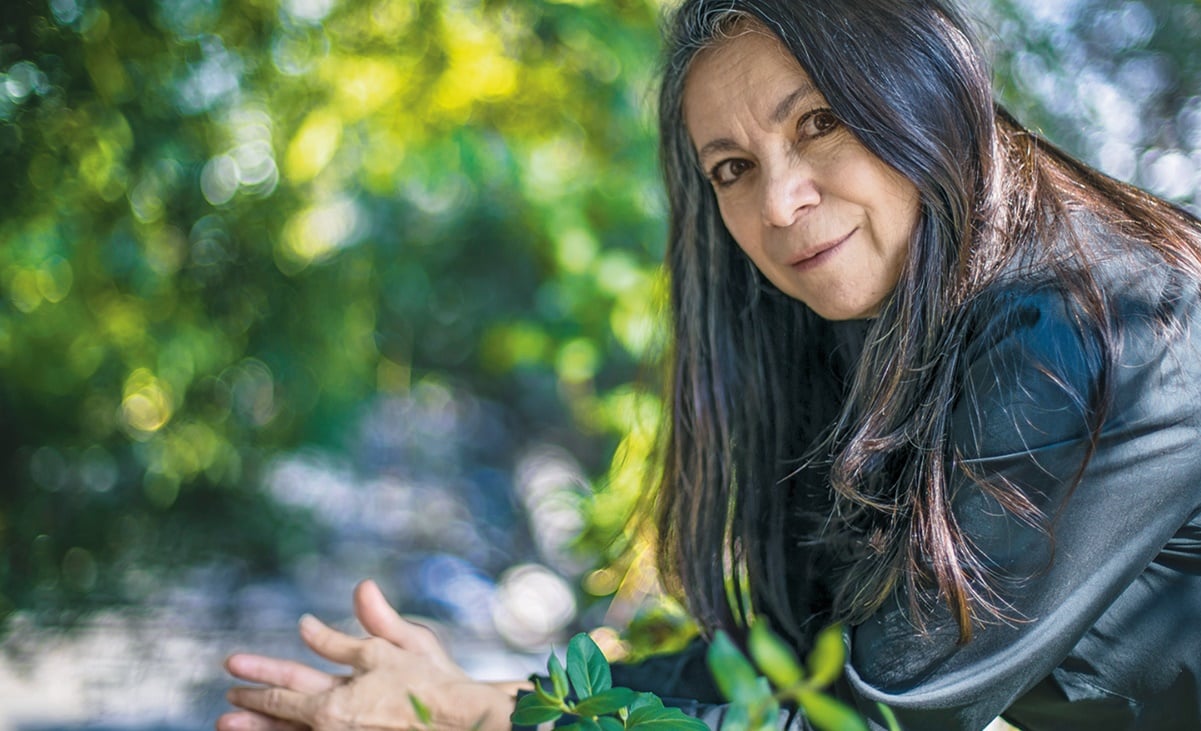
<point>829,653</point>
<point>687,723</point>
<point>651,718</point>
<point>558,676</point>
<point>532,710</point>
<point>609,723</point>
<point>587,724</point>
<point>828,714</point>
<point>548,698</point>
<point>766,719</point>
<point>764,708</point>
<point>608,701</point>
<point>763,691</point>
<point>738,718</point>
<point>774,657</point>
<point>734,675</point>
<point>423,713</point>
<point>681,723</point>
<point>645,700</point>
<point>646,714</point>
<point>587,667</point>
<point>889,717</point>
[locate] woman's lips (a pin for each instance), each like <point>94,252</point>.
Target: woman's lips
<point>815,256</point>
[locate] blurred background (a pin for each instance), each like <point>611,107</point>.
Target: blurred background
<point>297,292</point>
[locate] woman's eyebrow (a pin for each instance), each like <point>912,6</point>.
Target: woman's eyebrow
<point>785,107</point>
<point>778,115</point>
<point>721,144</point>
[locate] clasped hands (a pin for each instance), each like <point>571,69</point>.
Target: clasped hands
<point>398,660</point>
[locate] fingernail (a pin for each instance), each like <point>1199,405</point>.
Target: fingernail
<point>308,622</point>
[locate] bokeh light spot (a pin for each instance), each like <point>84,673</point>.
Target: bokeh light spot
<point>1170,173</point>
<point>146,406</point>
<point>533,605</point>
<point>307,11</point>
<point>214,79</point>
<point>65,12</point>
<point>364,85</point>
<point>478,70</point>
<point>575,249</point>
<point>317,233</point>
<point>313,146</point>
<point>578,361</point>
<point>219,180</point>
<point>253,392</point>
<point>23,289</point>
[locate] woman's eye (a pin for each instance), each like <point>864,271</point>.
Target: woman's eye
<point>818,123</point>
<point>727,172</point>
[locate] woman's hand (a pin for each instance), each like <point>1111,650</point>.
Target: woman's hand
<point>400,659</point>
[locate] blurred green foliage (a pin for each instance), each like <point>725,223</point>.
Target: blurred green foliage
<point>228,223</point>
<point>757,689</point>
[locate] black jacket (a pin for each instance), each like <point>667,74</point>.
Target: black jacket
<point>1105,601</point>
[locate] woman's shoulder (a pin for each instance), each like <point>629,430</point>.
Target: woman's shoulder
<point>1044,351</point>
<point>1088,278</point>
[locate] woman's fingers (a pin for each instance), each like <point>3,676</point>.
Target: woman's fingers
<point>251,721</point>
<point>376,615</point>
<point>278,703</point>
<point>337,646</point>
<point>284,673</point>
<point>380,620</point>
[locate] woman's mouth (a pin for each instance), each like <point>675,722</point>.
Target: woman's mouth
<point>815,256</point>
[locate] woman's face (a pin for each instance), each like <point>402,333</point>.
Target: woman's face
<point>824,219</point>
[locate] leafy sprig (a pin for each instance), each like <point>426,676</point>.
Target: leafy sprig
<point>583,692</point>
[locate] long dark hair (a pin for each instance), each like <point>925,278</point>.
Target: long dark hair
<point>786,461</point>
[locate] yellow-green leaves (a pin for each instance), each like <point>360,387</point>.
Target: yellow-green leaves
<point>753,704</point>
<point>736,678</point>
<point>889,717</point>
<point>829,714</point>
<point>421,711</point>
<point>558,676</point>
<point>829,653</point>
<point>774,657</point>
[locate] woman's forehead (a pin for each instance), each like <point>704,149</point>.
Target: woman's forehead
<point>751,65</point>
<point>742,35</point>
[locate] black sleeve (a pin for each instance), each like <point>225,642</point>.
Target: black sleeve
<point>682,675</point>
<point>1021,418</point>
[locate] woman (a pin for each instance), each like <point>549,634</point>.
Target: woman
<point>932,378</point>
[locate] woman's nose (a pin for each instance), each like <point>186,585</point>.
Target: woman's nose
<point>791,191</point>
